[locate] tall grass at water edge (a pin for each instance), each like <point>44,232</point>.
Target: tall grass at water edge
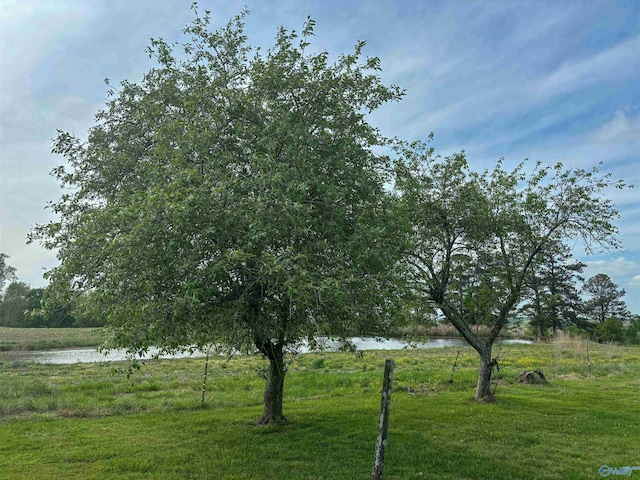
<point>446,330</point>
<point>21,339</point>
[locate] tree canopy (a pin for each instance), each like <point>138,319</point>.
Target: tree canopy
<point>232,197</point>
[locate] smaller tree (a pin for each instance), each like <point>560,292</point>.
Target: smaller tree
<point>605,299</point>
<point>477,236</point>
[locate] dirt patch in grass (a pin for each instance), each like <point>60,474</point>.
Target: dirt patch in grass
<point>569,376</point>
<point>423,389</point>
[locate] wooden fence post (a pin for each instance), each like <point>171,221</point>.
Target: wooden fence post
<point>383,423</point>
<point>204,380</point>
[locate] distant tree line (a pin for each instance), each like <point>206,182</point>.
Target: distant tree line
<point>552,301</point>
<point>23,306</point>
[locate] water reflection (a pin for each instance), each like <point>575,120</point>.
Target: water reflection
<point>89,355</point>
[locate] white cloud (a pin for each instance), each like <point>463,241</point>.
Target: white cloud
<point>635,281</point>
<point>503,96</point>
<point>608,64</point>
<point>618,268</point>
<point>620,129</point>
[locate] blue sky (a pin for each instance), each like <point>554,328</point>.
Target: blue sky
<point>549,81</point>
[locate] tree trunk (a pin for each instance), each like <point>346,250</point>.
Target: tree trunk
<point>483,389</point>
<point>274,388</point>
<point>541,329</point>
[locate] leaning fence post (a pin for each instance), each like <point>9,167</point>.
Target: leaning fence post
<point>383,423</point>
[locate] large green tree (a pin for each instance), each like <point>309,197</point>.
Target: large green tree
<point>477,235</point>
<point>233,197</point>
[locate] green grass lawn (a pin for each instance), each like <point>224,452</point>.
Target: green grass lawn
<point>48,338</point>
<point>83,421</point>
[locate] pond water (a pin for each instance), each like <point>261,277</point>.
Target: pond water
<point>91,355</point>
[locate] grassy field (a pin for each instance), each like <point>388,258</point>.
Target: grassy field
<point>85,422</point>
<point>12,339</point>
